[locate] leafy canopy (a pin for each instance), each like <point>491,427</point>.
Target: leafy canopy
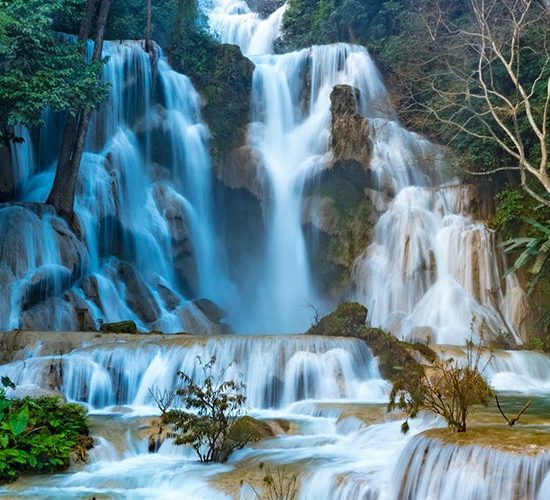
<point>40,68</point>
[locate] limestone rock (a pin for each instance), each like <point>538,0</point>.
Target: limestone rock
<point>242,168</point>
<point>211,310</point>
<point>171,205</point>
<point>137,293</point>
<point>169,297</point>
<point>421,335</point>
<point>34,392</point>
<point>350,129</point>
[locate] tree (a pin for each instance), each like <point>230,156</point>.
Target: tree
<point>489,80</point>
<point>215,428</point>
<point>38,70</point>
<point>447,388</point>
<point>62,194</point>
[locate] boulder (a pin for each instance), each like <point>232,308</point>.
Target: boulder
<point>34,392</point>
<point>170,298</point>
<point>421,335</point>
<point>172,205</point>
<point>137,294</point>
<point>119,327</point>
<point>211,310</point>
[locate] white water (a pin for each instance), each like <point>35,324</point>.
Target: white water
<point>524,372</point>
<point>429,469</point>
<point>276,371</point>
<point>430,266</point>
<point>143,196</point>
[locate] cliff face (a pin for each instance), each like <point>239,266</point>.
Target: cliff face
<point>338,208</point>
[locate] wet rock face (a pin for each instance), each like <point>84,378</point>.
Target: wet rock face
<point>137,294</point>
<point>338,211</point>
<point>350,130</point>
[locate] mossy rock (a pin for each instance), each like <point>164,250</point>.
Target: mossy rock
<point>250,429</point>
<point>348,320</point>
<point>119,327</point>
<point>244,431</point>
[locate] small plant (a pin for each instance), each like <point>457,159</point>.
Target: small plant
<point>39,435</point>
<point>278,485</point>
<point>448,388</point>
<point>215,428</point>
<point>164,400</point>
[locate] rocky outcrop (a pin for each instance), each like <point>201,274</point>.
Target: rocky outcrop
<point>137,294</point>
<point>350,130</point>
<point>242,168</point>
<point>349,320</point>
<point>224,80</point>
<point>172,206</point>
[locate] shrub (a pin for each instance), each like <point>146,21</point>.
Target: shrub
<point>448,388</point>
<point>215,428</point>
<point>39,435</point>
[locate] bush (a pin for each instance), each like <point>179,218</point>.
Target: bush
<point>447,388</point>
<point>39,435</point>
<point>216,428</point>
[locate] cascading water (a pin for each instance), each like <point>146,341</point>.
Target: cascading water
<point>143,200</point>
<point>430,267</point>
<point>431,469</point>
<point>276,371</point>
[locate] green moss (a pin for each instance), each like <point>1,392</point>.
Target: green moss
<point>348,320</point>
<point>119,327</point>
<point>520,440</point>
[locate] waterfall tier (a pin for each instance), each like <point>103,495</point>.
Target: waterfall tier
<point>429,468</point>
<point>277,371</point>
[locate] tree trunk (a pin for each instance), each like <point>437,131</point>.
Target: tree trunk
<point>76,129</point>
<point>7,175</point>
<point>148,35</point>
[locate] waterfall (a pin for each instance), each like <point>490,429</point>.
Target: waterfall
<point>144,204</point>
<point>431,270</point>
<point>429,468</point>
<point>277,371</point>
<point>525,372</point>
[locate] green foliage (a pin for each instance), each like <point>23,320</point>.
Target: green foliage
<point>38,435</point>
<point>534,251</point>
<point>220,72</point>
<point>215,427</point>
<point>541,344</point>
<point>447,388</point>
<point>38,68</point>
<point>513,205</point>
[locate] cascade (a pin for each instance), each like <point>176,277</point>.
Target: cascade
<point>431,269</point>
<point>428,468</point>
<point>276,371</point>
<point>143,200</point>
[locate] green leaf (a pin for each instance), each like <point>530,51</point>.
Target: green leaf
<point>19,421</point>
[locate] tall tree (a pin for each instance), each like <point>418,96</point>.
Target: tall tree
<point>38,69</point>
<point>62,194</point>
<point>490,81</point>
